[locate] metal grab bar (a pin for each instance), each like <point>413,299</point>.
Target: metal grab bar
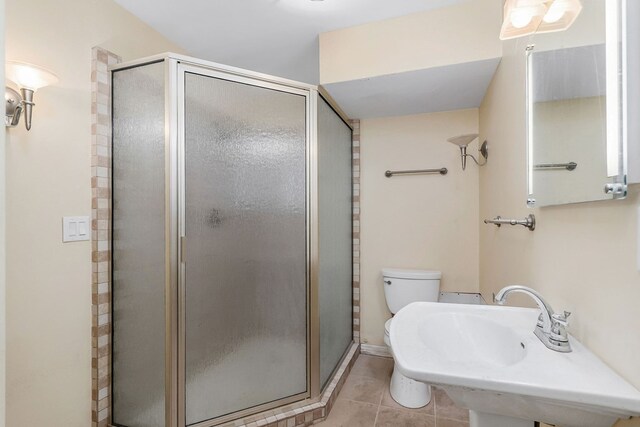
<point>568,166</point>
<point>529,221</point>
<point>441,171</point>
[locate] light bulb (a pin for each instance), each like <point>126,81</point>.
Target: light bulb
<point>555,13</point>
<point>521,17</point>
<point>29,76</point>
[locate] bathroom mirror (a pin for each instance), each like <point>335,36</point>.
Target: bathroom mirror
<point>575,139</point>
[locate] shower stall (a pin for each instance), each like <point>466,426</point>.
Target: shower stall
<point>231,242</point>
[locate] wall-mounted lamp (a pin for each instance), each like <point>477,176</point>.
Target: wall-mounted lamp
<point>463,141</point>
<point>525,17</point>
<point>29,78</point>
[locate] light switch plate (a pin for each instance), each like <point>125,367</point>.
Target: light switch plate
<point>75,228</point>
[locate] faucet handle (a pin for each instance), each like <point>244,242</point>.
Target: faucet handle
<point>559,333</point>
<point>562,318</point>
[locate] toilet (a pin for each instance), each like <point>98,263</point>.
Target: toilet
<point>402,287</point>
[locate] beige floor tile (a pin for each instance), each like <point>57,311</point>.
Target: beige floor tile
<point>374,367</point>
<point>347,413</point>
<point>363,389</point>
<point>388,417</point>
<point>445,408</point>
<point>445,422</point>
<point>365,401</point>
<point>388,401</point>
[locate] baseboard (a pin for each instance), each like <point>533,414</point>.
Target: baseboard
<point>375,350</point>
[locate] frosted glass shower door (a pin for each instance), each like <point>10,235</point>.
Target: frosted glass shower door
<point>245,211</point>
<point>139,241</point>
<point>335,238</point>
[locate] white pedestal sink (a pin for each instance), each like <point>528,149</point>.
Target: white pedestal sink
<point>487,359</point>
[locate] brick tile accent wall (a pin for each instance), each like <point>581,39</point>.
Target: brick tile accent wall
<point>101,236</point>
<point>356,230</point>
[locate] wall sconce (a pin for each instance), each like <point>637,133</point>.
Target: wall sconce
<point>29,78</point>
<point>525,17</point>
<point>463,141</point>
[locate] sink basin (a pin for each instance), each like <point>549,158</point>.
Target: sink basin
<point>461,334</point>
<point>488,360</point>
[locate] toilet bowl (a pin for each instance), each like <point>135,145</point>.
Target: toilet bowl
<point>402,287</point>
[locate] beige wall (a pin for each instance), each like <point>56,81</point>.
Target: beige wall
<point>426,221</point>
<point>412,42</point>
<point>3,270</point>
<point>581,257</point>
<point>48,176</point>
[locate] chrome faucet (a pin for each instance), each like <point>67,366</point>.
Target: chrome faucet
<point>551,328</point>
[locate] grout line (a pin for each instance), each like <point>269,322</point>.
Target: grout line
<point>380,403</point>
<point>357,401</point>
<point>375,421</point>
<point>371,377</point>
<point>455,420</point>
<point>383,391</point>
<point>435,405</point>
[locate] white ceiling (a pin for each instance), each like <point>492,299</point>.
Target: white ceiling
<point>447,88</point>
<point>277,37</point>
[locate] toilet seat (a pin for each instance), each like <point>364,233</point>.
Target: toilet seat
<point>387,327</point>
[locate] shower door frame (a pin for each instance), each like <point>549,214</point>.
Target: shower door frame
<point>175,65</point>
<point>179,69</point>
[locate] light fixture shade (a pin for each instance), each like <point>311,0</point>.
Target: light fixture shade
<point>463,140</point>
<point>526,17</point>
<point>522,17</point>
<point>29,76</point>
<point>560,16</point>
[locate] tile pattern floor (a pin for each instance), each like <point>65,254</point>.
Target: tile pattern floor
<point>365,401</point>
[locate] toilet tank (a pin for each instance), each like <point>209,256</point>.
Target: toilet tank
<point>402,287</point>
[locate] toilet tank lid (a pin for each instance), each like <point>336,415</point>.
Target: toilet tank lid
<point>398,273</point>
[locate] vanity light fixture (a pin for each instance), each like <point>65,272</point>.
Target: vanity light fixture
<point>463,142</point>
<point>29,78</point>
<point>525,17</point>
